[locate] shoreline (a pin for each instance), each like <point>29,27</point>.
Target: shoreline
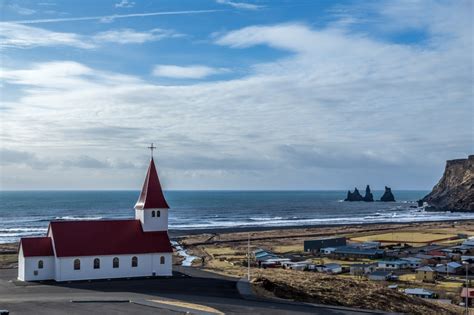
<point>179,233</point>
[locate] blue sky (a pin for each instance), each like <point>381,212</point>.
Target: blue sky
<point>235,94</point>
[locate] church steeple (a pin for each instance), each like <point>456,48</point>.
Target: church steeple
<point>151,196</point>
<point>151,208</point>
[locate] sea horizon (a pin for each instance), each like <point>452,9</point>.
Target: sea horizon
<point>28,213</point>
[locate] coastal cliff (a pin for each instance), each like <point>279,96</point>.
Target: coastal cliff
<point>455,190</point>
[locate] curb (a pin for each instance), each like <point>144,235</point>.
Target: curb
<point>100,301</point>
<point>175,308</point>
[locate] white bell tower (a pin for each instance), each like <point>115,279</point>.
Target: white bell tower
<point>151,208</point>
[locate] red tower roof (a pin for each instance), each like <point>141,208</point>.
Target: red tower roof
<point>151,195</point>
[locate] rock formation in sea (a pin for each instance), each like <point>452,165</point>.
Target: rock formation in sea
<point>355,196</point>
<point>368,195</point>
<point>387,195</point>
<point>455,190</point>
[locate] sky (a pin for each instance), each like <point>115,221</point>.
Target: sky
<point>235,94</point>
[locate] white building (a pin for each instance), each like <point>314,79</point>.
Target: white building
<point>103,249</point>
<point>392,264</point>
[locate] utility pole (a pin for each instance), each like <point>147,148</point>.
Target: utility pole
<point>467,289</point>
<point>248,258</point>
<point>466,263</point>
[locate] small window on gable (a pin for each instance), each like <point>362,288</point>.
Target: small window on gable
<point>153,214</point>
<point>115,262</point>
<point>77,264</point>
<point>134,261</point>
<point>97,263</point>
<point>40,264</point>
<point>162,260</point>
<point>158,213</point>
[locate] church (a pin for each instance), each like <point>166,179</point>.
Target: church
<point>104,249</point>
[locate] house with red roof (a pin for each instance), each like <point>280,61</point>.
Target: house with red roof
<point>104,249</point>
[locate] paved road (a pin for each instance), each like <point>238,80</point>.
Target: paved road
<point>213,292</point>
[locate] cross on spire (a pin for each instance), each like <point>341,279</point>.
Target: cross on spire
<point>152,147</point>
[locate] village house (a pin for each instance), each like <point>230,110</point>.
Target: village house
<point>426,274</point>
<point>413,262</point>
<point>420,292</point>
<point>314,246</point>
<point>392,264</point>
<point>449,268</point>
<point>380,275</point>
<point>470,296</point>
<point>362,269</point>
<point>356,252</point>
<point>332,268</point>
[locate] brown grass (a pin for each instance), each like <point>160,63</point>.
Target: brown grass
<point>325,289</point>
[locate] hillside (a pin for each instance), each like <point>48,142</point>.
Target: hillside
<point>324,289</point>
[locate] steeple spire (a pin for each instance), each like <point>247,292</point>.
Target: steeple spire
<point>151,195</point>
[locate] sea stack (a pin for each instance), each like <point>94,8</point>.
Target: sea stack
<point>369,197</point>
<point>387,195</point>
<point>355,196</point>
<point>455,190</point>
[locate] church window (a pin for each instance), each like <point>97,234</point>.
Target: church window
<point>134,261</point>
<point>115,262</point>
<point>153,213</point>
<point>97,263</point>
<point>162,260</point>
<point>40,264</point>
<point>158,213</point>
<point>77,264</point>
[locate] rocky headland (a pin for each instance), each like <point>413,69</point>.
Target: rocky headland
<point>455,189</point>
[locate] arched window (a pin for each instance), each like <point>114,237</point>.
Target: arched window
<point>158,213</point>
<point>77,264</point>
<point>40,264</point>
<point>115,262</point>
<point>97,263</point>
<point>134,261</point>
<point>162,260</point>
<point>153,213</point>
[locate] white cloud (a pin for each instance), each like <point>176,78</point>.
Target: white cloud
<point>295,37</point>
<point>240,5</point>
<point>112,17</point>
<point>125,4</point>
<point>22,36</point>
<point>186,72</point>
<point>340,109</point>
<point>130,36</point>
<point>14,35</point>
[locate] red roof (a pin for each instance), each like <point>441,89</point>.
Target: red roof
<point>106,237</point>
<point>151,195</point>
<point>470,294</point>
<point>36,246</point>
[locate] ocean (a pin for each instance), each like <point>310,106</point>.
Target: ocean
<point>27,213</point>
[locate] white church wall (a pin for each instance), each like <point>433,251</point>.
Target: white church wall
<point>146,266</point>
<point>21,265</point>
<point>165,269</point>
<point>150,223</point>
<point>28,269</point>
